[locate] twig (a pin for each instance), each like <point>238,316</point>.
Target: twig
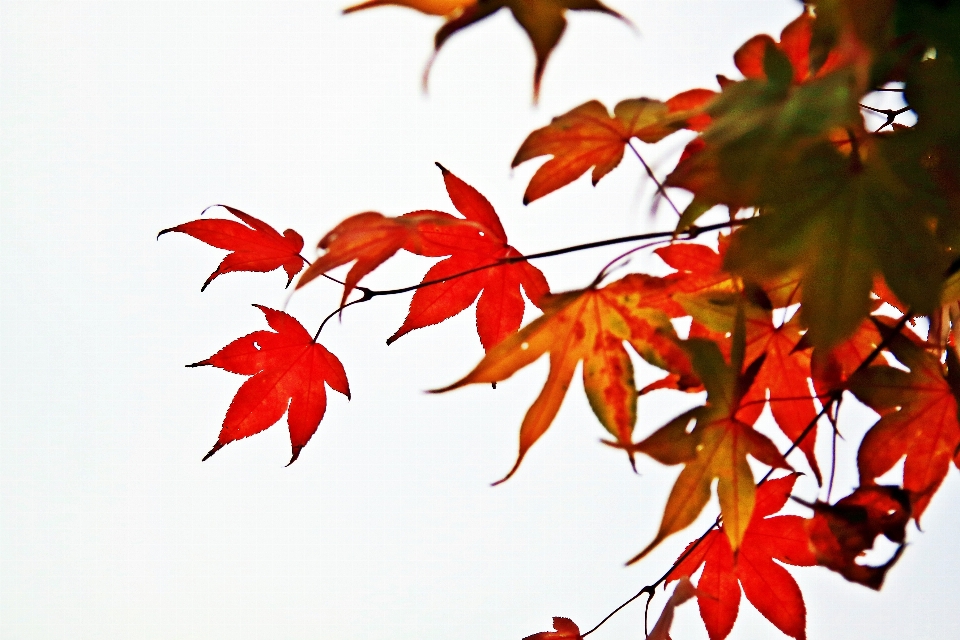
<point>660,188</point>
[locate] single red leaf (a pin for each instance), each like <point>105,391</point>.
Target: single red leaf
<point>288,371</point>
<point>501,305</point>
<point>254,246</point>
<point>767,585</point>
<point>566,629</point>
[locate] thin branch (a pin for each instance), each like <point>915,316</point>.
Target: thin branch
<point>339,310</point>
<point>890,113</point>
<point>660,188</point>
<point>689,234</point>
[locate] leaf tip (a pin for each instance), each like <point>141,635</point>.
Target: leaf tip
<point>216,448</point>
<point>202,363</point>
<point>442,168</point>
<point>294,456</point>
<point>166,231</point>
<point>214,206</point>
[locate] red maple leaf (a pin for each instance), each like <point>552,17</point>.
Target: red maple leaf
<point>500,309</point>
<point>288,369</point>
<point>767,585</point>
<point>255,246</point>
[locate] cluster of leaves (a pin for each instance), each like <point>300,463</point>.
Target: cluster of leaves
<point>839,239</point>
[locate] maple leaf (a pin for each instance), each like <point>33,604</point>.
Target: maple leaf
<point>288,369</point>
<point>681,593</point>
<point>588,137</point>
<point>589,325</point>
<point>254,246</point>
<point>566,629</point>
<point>918,420</point>
<point>717,447</point>
<point>842,532</point>
<point>500,309</point>
<point>369,239</point>
<point>767,585</point>
<point>543,20</point>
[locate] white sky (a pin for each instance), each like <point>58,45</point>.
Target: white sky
<point>118,119</point>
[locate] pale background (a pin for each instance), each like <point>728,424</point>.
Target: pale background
<point>119,119</point>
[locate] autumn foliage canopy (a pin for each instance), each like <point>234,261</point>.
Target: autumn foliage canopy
<point>835,274</point>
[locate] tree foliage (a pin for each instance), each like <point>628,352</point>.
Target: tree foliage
<point>834,274</point>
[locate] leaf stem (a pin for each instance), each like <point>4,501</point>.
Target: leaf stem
<point>660,188</point>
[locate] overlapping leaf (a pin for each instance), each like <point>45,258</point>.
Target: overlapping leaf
<point>589,325</point>
<point>369,239</point>
<point>681,593</point>
<point>783,377</point>
<point>838,206</point>
<point>841,533</point>
<point>767,585</point>
<point>588,136</point>
<point>918,421</point>
<point>851,219</point>
<point>289,371</point>
<point>253,246</point>
<point>762,124</point>
<point>716,448</point>
<point>543,20</point>
<point>500,309</point>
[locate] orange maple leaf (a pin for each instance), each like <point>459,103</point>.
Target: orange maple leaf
<point>255,246</point>
<point>588,137</point>
<point>501,306</point>
<point>589,325</point>
<point>767,585</point>
<point>288,369</point>
<point>543,20</point>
